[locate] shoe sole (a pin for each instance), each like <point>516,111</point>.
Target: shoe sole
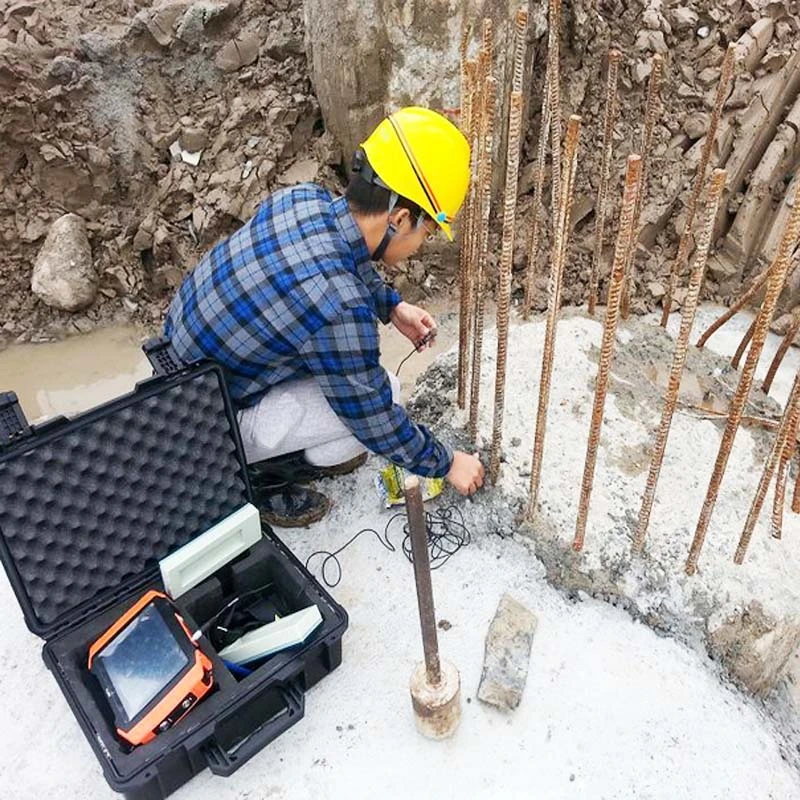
<point>296,521</point>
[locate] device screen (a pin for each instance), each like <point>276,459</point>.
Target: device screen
<point>142,660</point>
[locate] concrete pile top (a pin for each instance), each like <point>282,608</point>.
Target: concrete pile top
<point>610,708</point>
<point>746,616</point>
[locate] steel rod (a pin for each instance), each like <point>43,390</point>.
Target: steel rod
<point>742,348</point>
<point>554,89</point>
<point>776,523</point>
<point>538,191</point>
<point>465,255</point>
<point>731,312</point>
<point>504,288</point>
<point>520,47</point>
<point>651,107</point>
<point>788,338</point>
<point>728,65</point>
<point>769,468</point>
<point>632,175</point>
<point>774,287</point>
<point>422,576</point>
<point>605,173</point>
<point>679,357</point>
<point>554,304</point>
<point>485,180</point>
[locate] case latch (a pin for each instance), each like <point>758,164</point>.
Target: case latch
<point>162,357</point>
<point>13,425</point>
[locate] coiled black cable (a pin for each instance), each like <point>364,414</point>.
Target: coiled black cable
<point>447,534</point>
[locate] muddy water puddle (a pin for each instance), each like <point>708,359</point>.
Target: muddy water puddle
<point>80,372</point>
<point>77,373</point>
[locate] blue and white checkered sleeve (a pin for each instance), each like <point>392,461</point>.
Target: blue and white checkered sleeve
<point>344,358</point>
<point>386,298</point>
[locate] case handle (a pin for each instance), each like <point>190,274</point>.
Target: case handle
<point>13,424</point>
<point>226,762</point>
<point>161,355</point>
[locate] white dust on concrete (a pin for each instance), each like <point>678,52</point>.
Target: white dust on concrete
<point>610,709</point>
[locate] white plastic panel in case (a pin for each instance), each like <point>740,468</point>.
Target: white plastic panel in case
<point>284,632</point>
<point>204,555</point>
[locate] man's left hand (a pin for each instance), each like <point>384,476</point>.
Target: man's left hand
<point>414,323</point>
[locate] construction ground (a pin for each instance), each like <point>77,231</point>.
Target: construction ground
<point>136,133</point>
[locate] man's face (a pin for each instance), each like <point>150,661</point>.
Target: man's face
<point>409,238</point>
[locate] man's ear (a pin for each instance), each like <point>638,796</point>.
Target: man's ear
<point>401,217</point>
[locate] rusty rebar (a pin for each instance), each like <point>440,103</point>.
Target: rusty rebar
<point>774,287</point>
<point>780,481</point>
<point>788,338</point>
<point>485,180</point>
<point>538,191</point>
<point>465,254</point>
<point>742,348</point>
<point>418,533</point>
<point>605,173</point>
<point>769,468</point>
<point>679,357</point>
<point>744,299</point>
<point>504,288</point>
<point>520,46</point>
<point>651,107</point>
<point>728,65</point>
<point>554,90</point>
<point>731,312</point>
<point>560,240</point>
<point>632,175</point>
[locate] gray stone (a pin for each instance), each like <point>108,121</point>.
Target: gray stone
<point>697,124</point>
<point>238,52</point>
<point>301,171</point>
<point>160,20</point>
<point>191,28</point>
<point>656,289</point>
<point>508,651</point>
<point>683,18</point>
<point>64,276</point>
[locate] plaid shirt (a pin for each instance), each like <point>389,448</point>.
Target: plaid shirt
<point>293,294</point>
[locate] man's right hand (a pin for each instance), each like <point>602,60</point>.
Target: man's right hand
<point>466,473</point>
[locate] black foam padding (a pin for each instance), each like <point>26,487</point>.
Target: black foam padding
<point>106,497</point>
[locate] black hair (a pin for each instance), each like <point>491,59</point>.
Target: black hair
<point>366,197</point>
<point>369,198</point>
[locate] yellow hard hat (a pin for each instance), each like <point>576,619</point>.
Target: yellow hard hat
<point>423,157</point>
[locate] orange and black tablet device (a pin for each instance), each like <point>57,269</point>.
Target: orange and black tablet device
<point>150,669</point>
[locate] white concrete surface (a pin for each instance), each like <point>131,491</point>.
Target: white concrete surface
<point>611,710</point>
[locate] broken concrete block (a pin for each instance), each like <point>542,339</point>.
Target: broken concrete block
<point>697,124</point>
<point>302,171</point>
<point>508,650</point>
<point>683,18</point>
<point>238,52</point>
<point>755,646</point>
<point>64,276</point>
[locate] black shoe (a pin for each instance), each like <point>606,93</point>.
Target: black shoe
<point>287,505</point>
<point>293,468</point>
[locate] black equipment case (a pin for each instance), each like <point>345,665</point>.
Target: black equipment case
<point>89,505</point>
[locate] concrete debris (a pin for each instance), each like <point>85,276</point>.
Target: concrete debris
<point>508,652</point>
<point>64,276</point>
<point>300,172</point>
<point>239,52</point>
<point>696,125</point>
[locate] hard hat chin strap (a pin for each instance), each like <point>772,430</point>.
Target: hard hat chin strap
<point>391,230</point>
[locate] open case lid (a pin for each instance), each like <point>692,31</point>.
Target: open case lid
<point>89,505</point>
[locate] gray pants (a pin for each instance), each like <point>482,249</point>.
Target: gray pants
<point>296,416</point>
